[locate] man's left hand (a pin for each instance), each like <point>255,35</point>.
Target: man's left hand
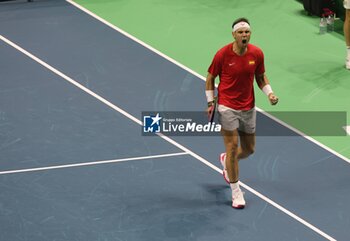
<point>273,99</point>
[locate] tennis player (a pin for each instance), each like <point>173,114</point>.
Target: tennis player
<point>237,64</point>
<point>347,32</point>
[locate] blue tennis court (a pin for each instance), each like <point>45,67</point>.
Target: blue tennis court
<point>75,166</point>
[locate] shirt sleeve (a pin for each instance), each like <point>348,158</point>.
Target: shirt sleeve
<point>216,65</point>
<point>261,65</point>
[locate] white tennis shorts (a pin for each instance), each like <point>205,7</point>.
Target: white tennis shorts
<point>231,119</point>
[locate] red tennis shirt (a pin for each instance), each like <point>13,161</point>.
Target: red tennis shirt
<point>237,75</point>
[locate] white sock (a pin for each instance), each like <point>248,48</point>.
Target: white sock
<point>234,186</point>
<point>348,52</point>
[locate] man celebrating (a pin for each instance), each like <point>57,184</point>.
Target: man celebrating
<point>237,64</point>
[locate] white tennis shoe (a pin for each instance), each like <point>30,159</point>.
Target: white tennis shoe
<point>347,63</point>
<point>224,171</point>
<point>238,201</point>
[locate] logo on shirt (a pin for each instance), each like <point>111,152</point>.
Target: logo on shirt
<point>251,62</point>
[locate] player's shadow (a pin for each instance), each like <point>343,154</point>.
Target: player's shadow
<point>220,192</point>
<point>213,195</point>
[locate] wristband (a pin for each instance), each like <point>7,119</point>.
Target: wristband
<point>210,95</point>
<point>267,89</point>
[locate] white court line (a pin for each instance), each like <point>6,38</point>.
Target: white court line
<point>203,78</point>
<point>186,150</point>
<point>91,163</point>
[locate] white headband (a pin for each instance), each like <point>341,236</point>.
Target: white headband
<point>240,25</point>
